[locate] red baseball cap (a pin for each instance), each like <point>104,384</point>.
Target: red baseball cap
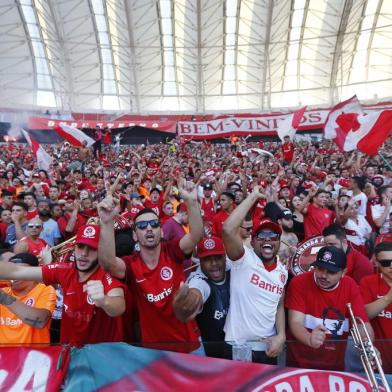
<point>88,235</point>
<point>268,224</point>
<point>210,246</point>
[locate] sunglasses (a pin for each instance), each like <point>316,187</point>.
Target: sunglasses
<point>385,263</point>
<point>263,235</point>
<point>32,226</point>
<point>142,225</point>
<point>247,228</point>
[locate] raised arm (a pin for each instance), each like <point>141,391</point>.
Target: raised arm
<point>14,271</point>
<point>107,209</point>
<point>188,192</point>
<point>230,232</point>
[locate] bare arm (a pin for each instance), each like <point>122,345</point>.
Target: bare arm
<point>230,231</point>
<point>187,303</point>
<point>21,247</point>
<point>189,194</point>
<point>34,317</point>
<point>381,220</point>
<point>373,309</point>
<point>107,209</point>
<point>314,339</point>
<point>12,271</point>
<point>276,342</point>
<point>72,220</point>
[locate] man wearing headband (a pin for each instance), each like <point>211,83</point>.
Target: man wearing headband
<point>258,278</point>
<point>26,308</point>
<point>93,299</point>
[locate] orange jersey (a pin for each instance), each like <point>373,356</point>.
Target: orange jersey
<point>13,330</point>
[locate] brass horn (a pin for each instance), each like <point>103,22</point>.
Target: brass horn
<point>368,353</point>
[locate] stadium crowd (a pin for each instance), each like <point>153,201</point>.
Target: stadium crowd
<point>177,244</point>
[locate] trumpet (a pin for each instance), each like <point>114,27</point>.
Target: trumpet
<point>368,354</point>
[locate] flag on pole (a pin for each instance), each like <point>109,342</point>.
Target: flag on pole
<point>289,126</point>
<point>44,160</point>
<point>73,135</point>
<point>351,129</point>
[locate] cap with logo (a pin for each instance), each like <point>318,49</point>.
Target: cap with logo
<point>331,258</point>
<point>268,224</point>
<point>285,214</point>
<point>88,235</point>
<point>25,258</point>
<point>207,187</point>
<point>210,246</point>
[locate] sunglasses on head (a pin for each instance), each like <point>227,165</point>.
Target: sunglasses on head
<point>385,263</point>
<point>33,226</point>
<point>142,225</point>
<point>262,235</point>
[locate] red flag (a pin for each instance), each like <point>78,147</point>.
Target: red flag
<point>44,160</point>
<point>351,129</point>
<point>289,126</point>
<point>73,135</point>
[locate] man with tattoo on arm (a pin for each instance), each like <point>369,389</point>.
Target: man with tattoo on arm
<point>26,308</point>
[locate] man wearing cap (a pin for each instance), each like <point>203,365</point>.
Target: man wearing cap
<point>26,308</point>
<point>156,271</point>
<point>207,203</point>
<point>206,297</point>
<point>93,300</point>
<point>258,278</point>
<point>357,264</point>
<point>288,240</point>
<point>227,203</point>
<point>135,205</point>
<point>317,310</point>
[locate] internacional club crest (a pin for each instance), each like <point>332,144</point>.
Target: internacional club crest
<point>166,273</point>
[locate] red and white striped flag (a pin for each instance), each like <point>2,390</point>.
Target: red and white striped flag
<point>352,129</point>
<point>44,160</point>
<point>73,135</point>
<point>289,126</point>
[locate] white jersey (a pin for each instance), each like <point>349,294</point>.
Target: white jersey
<point>357,232</point>
<point>361,202</point>
<point>377,211</point>
<point>254,297</point>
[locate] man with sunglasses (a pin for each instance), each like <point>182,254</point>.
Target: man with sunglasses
<point>156,271</point>
<point>258,278</point>
<point>32,243</point>
<point>376,292</point>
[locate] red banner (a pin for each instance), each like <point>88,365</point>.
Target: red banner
<point>48,123</point>
<point>32,369</point>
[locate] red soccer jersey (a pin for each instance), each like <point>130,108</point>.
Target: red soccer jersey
<point>154,291</point>
<point>358,265</point>
<point>82,322</point>
<point>327,308</point>
<point>316,220</point>
<point>217,222</point>
<point>208,209</point>
<point>31,214</point>
<point>63,222</point>
<point>157,207</point>
<point>130,214</point>
<point>372,288</point>
<point>288,151</point>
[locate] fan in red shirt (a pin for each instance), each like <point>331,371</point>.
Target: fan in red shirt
<point>376,291</point>
<point>358,265</point>
<point>156,272</point>
<point>72,219</point>
<point>288,150</point>
<point>316,216</point>
<point>227,206</point>
<point>207,203</point>
<point>93,300</point>
<point>317,303</point>
<point>155,201</point>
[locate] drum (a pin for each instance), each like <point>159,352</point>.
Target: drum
<point>305,255</point>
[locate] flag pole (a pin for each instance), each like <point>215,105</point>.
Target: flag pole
<point>385,161</point>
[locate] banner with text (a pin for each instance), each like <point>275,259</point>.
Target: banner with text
<point>48,123</point>
<point>263,125</point>
<point>33,369</point>
<point>119,367</point>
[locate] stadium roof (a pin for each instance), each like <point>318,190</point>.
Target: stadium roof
<point>149,56</point>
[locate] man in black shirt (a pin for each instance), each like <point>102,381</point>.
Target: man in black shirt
<point>206,297</point>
